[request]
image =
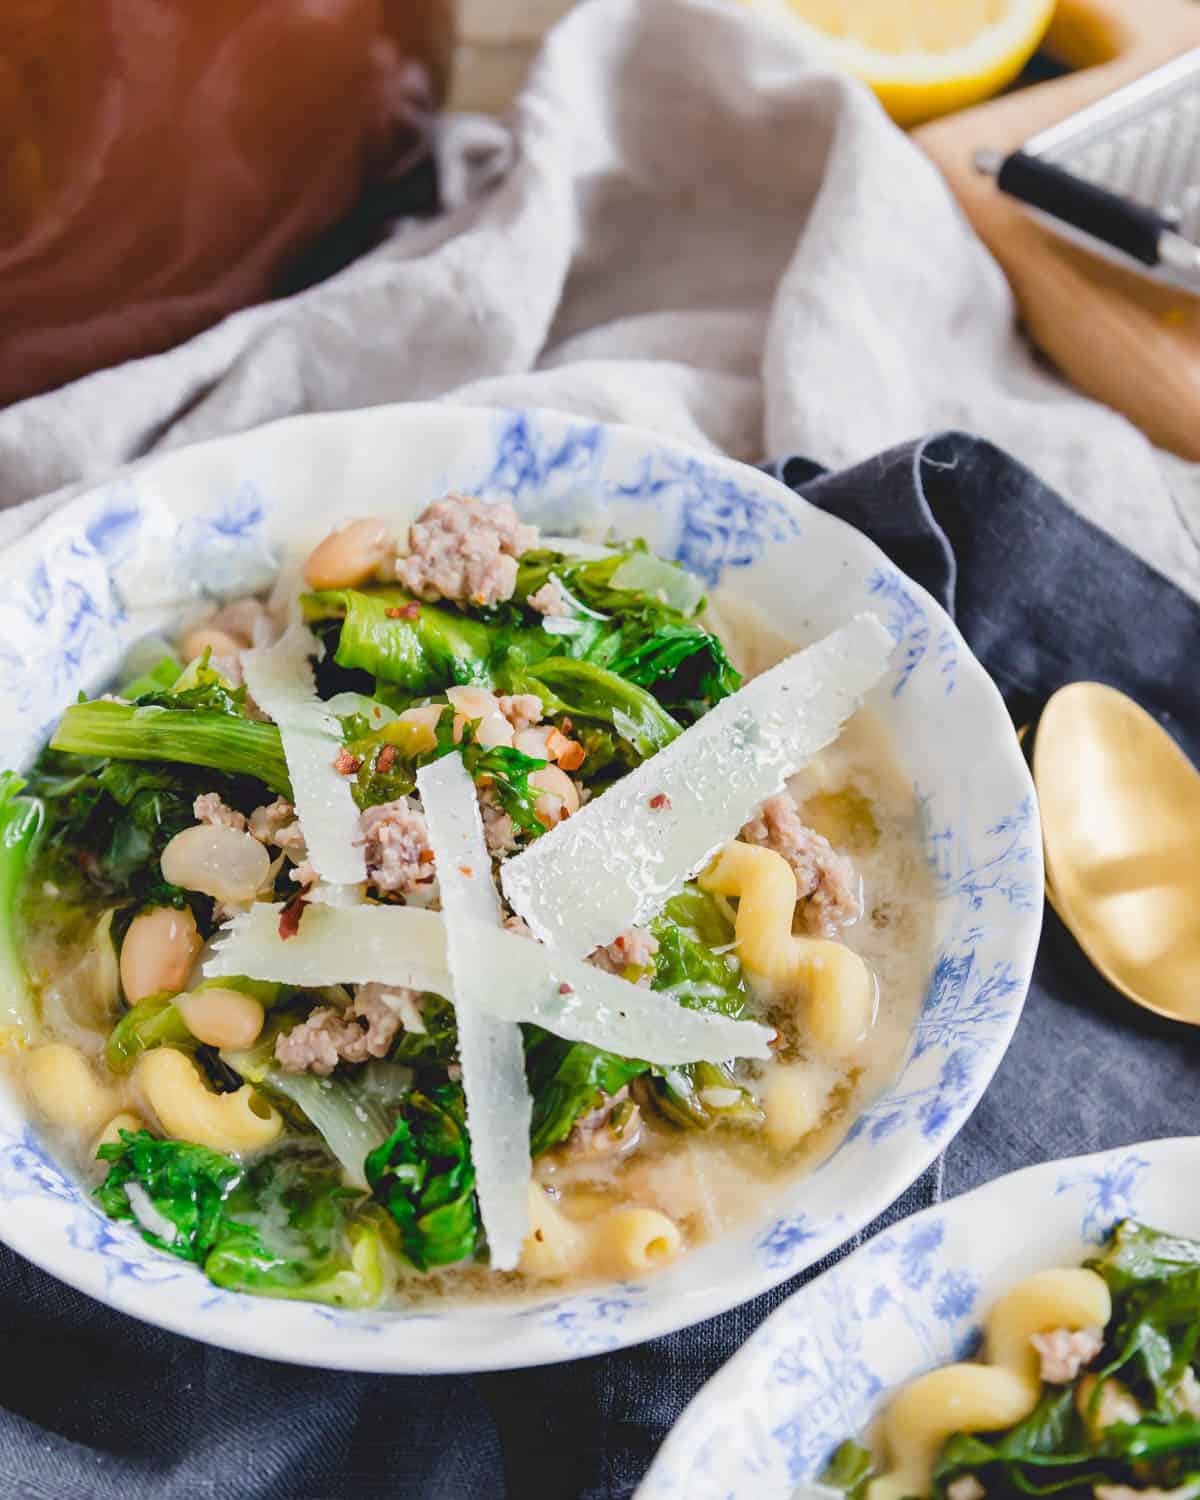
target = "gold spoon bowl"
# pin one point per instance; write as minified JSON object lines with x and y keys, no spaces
{"x":1120,"y":805}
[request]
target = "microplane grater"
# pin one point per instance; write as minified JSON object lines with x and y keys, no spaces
{"x":1141,"y":145}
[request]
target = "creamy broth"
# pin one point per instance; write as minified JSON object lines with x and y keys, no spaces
{"x":855,"y":793}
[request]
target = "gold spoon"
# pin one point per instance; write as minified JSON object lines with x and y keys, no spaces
{"x":1120,"y":807}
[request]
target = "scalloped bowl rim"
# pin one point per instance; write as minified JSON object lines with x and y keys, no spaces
{"x":697,"y":506}
{"x":1026,"y":1220}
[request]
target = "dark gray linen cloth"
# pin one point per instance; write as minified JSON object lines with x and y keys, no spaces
{"x":94,"y":1405}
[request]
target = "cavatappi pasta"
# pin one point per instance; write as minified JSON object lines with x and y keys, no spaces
{"x":1085,"y":1386}
{"x":336,"y":1108}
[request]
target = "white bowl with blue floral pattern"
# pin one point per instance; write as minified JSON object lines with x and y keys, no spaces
{"x":911,"y":1299}
{"x":132,"y":556}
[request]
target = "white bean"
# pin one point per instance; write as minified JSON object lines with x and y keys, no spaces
{"x":208,"y":638}
{"x":221,"y":1018}
{"x":473,"y":702}
{"x":158,"y":952}
{"x":221,"y":862}
{"x":532,"y":742}
{"x":561,"y":797}
{"x":420,"y":727}
{"x":350,"y":556}
{"x":493,"y":730}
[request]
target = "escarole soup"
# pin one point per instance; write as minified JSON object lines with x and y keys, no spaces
{"x":1086,"y":1388}
{"x":467,"y":920}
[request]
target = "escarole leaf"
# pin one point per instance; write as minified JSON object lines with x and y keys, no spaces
{"x":416,"y":646}
{"x":284,"y":1227}
{"x":159,"y":677}
{"x":424,"y":1177}
{"x":294,"y":1231}
{"x":152,"y":1022}
{"x":1155,"y":1282}
{"x":587,"y":691}
{"x":109,"y":820}
{"x":850,"y":1470}
{"x":634,"y":614}
{"x":21,"y":820}
{"x":186,"y":1186}
{"x":197,"y":686}
{"x":688,"y":967}
{"x":567,"y":1080}
{"x":196,"y":737}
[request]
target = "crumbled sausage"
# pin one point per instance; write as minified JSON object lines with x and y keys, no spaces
{"x":381,"y":1007}
{"x":549,"y":599}
{"x":463,"y":550}
{"x":825,"y":880}
{"x":270,"y":820}
{"x":522,"y":710}
{"x":396,"y":844}
{"x":209,"y":808}
{"x":1064,"y":1352}
{"x":499,"y":830}
{"x":632,"y":949}
{"x":326,"y":1038}
{"x":291,"y":841}
{"x":366,"y":1028}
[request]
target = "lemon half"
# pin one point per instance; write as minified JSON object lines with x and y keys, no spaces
{"x":922,"y":57}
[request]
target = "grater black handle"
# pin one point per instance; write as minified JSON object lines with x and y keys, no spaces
{"x":1117,"y":221}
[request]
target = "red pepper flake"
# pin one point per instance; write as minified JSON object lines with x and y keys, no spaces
{"x":426,"y":857}
{"x":566,"y":726}
{"x":347,"y":764}
{"x":566,"y":989}
{"x":467,"y":871}
{"x":289,"y":917}
{"x":409,"y":611}
{"x":386,"y":759}
{"x":660,"y":802}
{"x":620,"y":942}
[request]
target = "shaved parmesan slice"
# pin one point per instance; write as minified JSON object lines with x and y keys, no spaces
{"x":491,"y":1052}
{"x":617,"y":860}
{"x":575,"y":1000}
{"x":280,"y":680}
{"x":336,"y":945}
{"x":401,"y":946}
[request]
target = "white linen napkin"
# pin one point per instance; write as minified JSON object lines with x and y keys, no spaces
{"x":700,"y":233}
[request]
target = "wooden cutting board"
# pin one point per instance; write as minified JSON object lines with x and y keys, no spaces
{"x":1124,"y":340}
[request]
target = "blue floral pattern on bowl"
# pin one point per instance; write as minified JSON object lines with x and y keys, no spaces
{"x":822,"y":1365}
{"x":135,"y":557}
